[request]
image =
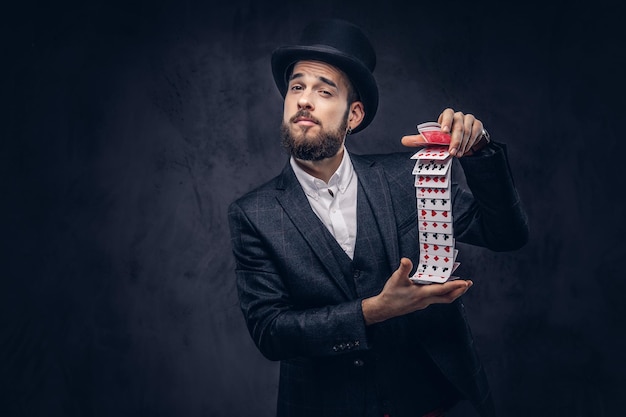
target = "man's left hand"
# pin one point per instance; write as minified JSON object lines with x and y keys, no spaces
{"x":466,"y":133}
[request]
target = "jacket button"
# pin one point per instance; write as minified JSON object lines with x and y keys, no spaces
{"x":335,"y":348}
{"x":356,"y":273}
{"x":358,"y":363}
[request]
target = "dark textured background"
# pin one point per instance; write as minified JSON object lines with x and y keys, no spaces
{"x":128,"y":128}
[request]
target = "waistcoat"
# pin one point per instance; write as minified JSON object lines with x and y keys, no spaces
{"x":397,"y":359}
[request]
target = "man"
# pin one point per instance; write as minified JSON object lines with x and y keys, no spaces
{"x":324,"y":251}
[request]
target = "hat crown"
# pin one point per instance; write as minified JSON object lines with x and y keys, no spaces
{"x":343,"y":36}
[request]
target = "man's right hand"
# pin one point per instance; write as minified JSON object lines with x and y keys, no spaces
{"x":401,"y":296}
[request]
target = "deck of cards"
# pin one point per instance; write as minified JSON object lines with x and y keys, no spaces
{"x":432,"y":173}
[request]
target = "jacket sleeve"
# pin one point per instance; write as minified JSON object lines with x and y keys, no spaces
{"x":491,"y":215}
{"x":281,"y":320}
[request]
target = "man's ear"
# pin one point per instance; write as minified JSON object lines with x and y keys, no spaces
{"x":356,"y":114}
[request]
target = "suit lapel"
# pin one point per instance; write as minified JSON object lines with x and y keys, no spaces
{"x":376,"y":189}
{"x":297,"y":207}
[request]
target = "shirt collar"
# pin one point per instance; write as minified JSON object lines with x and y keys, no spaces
{"x":339,"y":181}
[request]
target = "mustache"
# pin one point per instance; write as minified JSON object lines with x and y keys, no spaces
{"x":305,"y":114}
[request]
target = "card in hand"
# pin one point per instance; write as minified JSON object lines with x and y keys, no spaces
{"x":431,"y":132}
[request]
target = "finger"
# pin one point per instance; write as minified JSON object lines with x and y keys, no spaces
{"x":405,"y":267}
{"x":447,"y":294}
{"x":477,"y":131}
{"x":467,"y":141}
{"x":447,"y":287}
{"x":413,"y":140}
{"x":445,"y":119}
{"x":456,"y":133}
{"x":447,"y":298}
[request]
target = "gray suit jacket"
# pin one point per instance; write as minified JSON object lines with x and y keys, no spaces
{"x":300,"y":308}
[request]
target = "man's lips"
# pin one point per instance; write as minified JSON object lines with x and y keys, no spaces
{"x":305,"y":121}
{"x":304,"y":118}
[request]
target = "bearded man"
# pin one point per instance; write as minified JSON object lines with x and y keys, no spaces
{"x":324,"y":251}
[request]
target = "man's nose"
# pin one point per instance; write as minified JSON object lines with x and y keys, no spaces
{"x":306,"y":101}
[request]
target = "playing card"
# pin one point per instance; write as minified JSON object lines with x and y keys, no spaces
{"x":432,"y":181}
{"x":435,"y":249}
{"x":438,"y":153}
{"x":437,"y":270}
{"x":434,"y":227}
{"x":439,"y":260}
{"x":428,"y":279}
{"x":436,"y":238}
{"x":431,"y":132}
{"x":434,"y":215}
{"x":429,"y":192}
{"x":432,"y":166}
{"x":434,"y":203}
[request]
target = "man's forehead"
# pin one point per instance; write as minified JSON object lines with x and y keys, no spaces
{"x":318,"y":68}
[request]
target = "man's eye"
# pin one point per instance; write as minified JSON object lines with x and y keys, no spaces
{"x":326,"y":92}
{"x":296,"y":87}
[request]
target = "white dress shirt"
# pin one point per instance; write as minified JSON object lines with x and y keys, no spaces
{"x":334,"y":202}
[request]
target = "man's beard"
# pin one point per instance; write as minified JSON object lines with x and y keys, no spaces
{"x":324,"y":145}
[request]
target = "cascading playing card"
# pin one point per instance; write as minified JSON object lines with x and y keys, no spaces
{"x":432,"y":173}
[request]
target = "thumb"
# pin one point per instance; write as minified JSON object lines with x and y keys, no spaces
{"x":413,"y":140}
{"x":405,"y":267}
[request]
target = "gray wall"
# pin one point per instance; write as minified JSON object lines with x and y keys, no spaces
{"x":128,"y":128}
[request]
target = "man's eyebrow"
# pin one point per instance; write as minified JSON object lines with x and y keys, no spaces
{"x":329,"y":82}
{"x":323,"y":79}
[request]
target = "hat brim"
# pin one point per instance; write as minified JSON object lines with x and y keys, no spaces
{"x":360,"y":76}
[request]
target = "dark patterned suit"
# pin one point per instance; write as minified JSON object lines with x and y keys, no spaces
{"x":301,"y":295}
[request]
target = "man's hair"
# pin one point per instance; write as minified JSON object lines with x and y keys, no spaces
{"x":353,"y":95}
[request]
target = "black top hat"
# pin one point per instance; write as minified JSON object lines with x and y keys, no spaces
{"x":338,"y":43}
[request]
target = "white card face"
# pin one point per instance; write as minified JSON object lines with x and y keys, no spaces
{"x":429,"y":192}
{"x":434,"y":227}
{"x":429,"y":269}
{"x":436,"y":238}
{"x":428,"y":279}
{"x":437,"y":153}
{"x":435,"y":249}
{"x":435,"y":274}
{"x":434,"y":215}
{"x":434,"y":204}
{"x":444,"y":261}
{"x":432,"y":181}
{"x":431,"y":167}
